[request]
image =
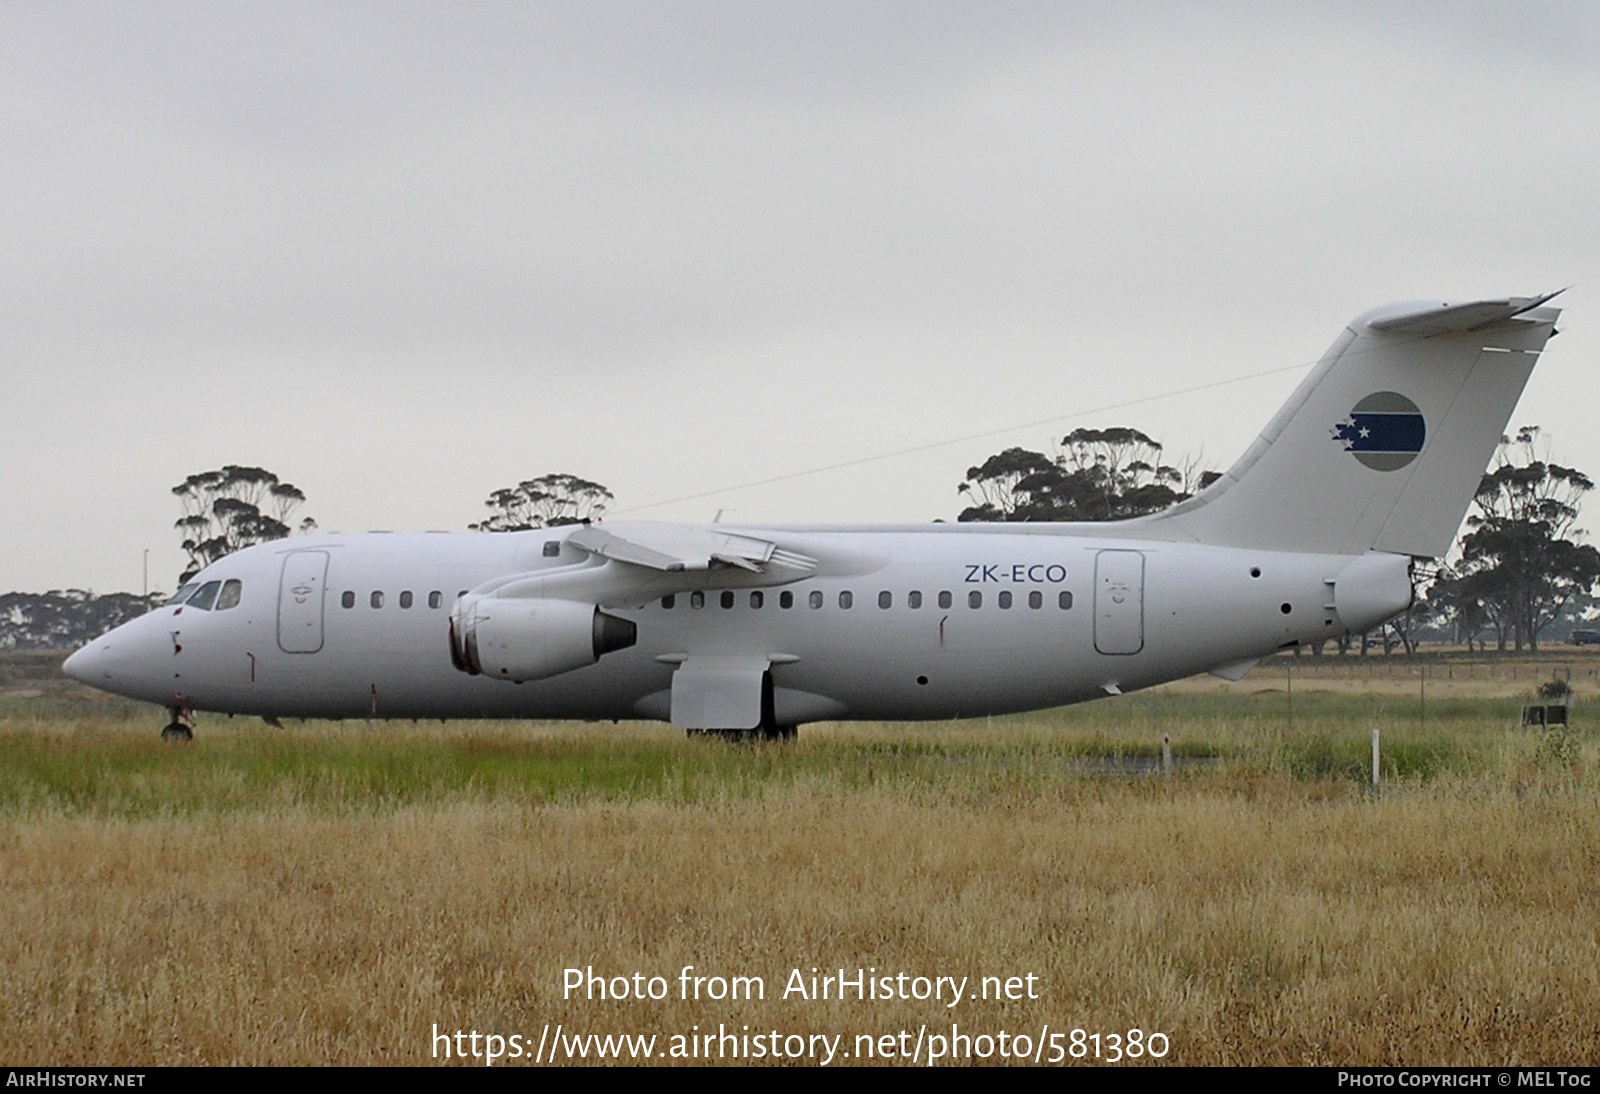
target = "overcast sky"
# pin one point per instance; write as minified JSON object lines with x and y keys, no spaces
{"x":403,"y":254}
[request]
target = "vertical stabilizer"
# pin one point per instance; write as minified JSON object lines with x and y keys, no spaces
{"x":1383,"y":446}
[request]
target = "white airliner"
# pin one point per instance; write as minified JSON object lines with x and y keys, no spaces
{"x":755,"y":630}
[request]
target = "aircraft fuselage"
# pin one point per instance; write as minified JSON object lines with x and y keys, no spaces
{"x":896,"y":625}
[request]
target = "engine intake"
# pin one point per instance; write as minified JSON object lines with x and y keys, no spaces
{"x":521,"y":639}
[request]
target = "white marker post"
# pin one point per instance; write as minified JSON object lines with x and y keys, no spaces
{"x":1374,"y":761}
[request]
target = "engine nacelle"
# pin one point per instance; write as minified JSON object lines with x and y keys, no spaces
{"x":521,"y":639}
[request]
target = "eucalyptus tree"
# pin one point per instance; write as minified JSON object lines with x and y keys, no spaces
{"x":232,"y":508}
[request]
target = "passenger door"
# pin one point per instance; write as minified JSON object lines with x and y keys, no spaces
{"x":300,"y":595}
{"x":1119,"y":602}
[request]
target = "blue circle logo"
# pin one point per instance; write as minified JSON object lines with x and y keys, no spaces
{"x":1385,"y":431}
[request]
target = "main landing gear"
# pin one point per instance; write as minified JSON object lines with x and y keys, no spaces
{"x":745,"y":736}
{"x":178,"y":730}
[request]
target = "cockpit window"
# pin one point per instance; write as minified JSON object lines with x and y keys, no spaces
{"x":181,"y":595}
{"x":205,"y":596}
{"x":229,"y":597}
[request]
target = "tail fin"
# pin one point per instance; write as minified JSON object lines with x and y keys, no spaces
{"x":1383,"y":446}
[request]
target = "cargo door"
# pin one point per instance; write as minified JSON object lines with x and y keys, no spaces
{"x":300,"y":601}
{"x":1119,"y":602}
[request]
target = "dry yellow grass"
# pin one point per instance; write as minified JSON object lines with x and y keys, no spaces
{"x":1256,"y":923}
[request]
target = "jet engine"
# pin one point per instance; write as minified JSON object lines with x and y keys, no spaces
{"x":521,"y":639}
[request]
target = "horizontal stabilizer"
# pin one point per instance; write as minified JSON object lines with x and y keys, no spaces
{"x":1451,"y":318}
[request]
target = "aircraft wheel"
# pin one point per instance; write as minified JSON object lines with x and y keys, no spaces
{"x":177,"y":732}
{"x":747,"y":736}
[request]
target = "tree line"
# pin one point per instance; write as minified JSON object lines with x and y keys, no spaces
{"x":1098,"y":474}
{"x":65,"y":618}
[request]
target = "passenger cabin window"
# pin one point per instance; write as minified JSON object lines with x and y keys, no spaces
{"x":726,"y":598}
{"x":405,"y":599}
{"x":1004,"y":599}
{"x":974,"y":599}
{"x":846,"y":598}
{"x":552,"y":548}
{"x":786,"y":599}
{"x":435,"y":599}
{"x":377,"y":599}
{"x":229,"y":597}
{"x":816,"y":598}
{"x":697,"y":599}
{"x":205,"y":596}
{"x":914,"y":599}
{"x":1036,"y":599}
{"x":348,"y":600}
{"x":945,"y":599}
{"x":669,"y":601}
{"x":886,"y":599}
{"x":757,"y":599}
{"x":1065,"y":600}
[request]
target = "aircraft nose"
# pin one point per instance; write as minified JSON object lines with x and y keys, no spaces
{"x":92,"y":664}
{"x":77,"y":665}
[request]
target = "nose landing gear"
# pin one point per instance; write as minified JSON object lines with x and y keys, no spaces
{"x":179,"y":730}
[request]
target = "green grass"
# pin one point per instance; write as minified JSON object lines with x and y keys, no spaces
{"x":110,"y":763}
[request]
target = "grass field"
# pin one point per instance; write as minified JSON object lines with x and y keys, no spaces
{"x":333,"y":893}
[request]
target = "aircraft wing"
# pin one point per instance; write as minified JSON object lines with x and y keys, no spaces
{"x":674,"y":548}
{"x":635,"y":562}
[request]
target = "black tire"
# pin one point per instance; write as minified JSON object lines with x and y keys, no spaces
{"x":747,"y":736}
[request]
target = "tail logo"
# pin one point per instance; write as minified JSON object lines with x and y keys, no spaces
{"x":1385,"y":431}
